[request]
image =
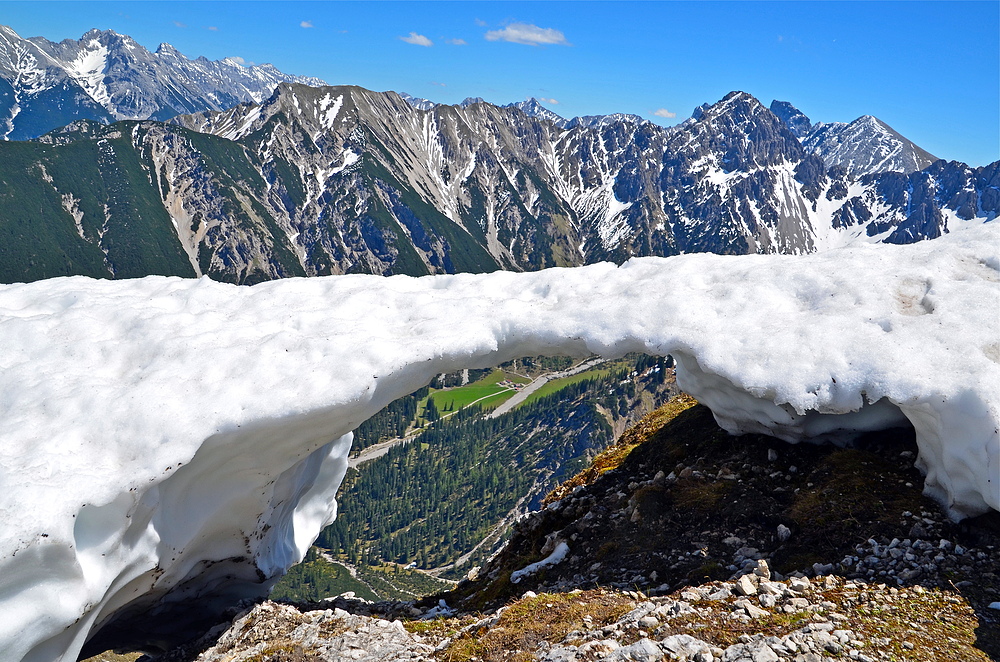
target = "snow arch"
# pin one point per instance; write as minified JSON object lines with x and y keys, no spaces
{"x":167,"y":439}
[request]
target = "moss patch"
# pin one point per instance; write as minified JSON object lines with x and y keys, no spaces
{"x":529,"y":621}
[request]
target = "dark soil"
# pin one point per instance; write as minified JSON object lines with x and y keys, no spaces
{"x":691,"y":503}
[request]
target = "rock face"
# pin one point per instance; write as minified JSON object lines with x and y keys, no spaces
{"x":794,"y":118}
{"x":106,"y":76}
{"x":318,"y":181}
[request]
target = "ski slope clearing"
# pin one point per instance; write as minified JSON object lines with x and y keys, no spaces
{"x":170,"y":445}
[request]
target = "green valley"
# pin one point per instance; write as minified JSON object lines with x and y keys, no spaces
{"x":491,"y":390}
{"x":443,"y":499}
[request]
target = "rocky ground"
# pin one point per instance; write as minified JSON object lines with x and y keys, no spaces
{"x":683,"y":543}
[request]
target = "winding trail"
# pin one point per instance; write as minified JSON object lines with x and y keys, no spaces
{"x":538,"y":383}
{"x":377,"y":450}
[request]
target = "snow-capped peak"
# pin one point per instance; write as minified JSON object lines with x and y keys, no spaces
{"x":418,"y":102}
{"x":533,"y":108}
{"x":57,"y":83}
{"x":866,"y":145}
{"x":167,"y":49}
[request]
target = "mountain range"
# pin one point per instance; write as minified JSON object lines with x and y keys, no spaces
{"x":314,"y":180}
{"x":865,"y":146}
{"x":105,"y":76}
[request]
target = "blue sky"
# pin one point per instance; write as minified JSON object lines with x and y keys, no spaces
{"x":931,"y":70}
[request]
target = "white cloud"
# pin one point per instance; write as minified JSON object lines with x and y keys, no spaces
{"x":553,"y":102}
{"x":417,"y":39}
{"x":439,"y":84}
{"x":528,"y":34}
{"x":663,"y":112}
{"x":481,"y":23}
{"x":456,"y":42}
{"x":306,"y":24}
{"x":213,"y":28}
{"x":238,"y":60}
{"x":179,"y":24}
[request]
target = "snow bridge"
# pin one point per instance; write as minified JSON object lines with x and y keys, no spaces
{"x":171,"y":445}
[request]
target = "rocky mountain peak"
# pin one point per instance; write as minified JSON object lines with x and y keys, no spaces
{"x":865,"y":146}
{"x":743,"y":132}
{"x":418,"y":102}
{"x":737,"y":104}
{"x":734,"y":110}
{"x":532,"y":108}
{"x":167,"y":49}
{"x":105,"y":38}
{"x":95,"y":33}
{"x":530,"y":105}
{"x":793,"y":118}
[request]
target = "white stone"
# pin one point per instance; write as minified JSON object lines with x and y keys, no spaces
{"x":644,"y":650}
{"x":745,"y":586}
{"x":681,"y":645}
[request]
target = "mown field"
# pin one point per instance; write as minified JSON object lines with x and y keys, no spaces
{"x":557,"y":385}
{"x":453,"y":399}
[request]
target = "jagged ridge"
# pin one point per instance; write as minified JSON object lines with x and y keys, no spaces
{"x":107,"y":76}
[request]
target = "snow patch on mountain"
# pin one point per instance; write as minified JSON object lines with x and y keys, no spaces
{"x":330,"y":108}
{"x":88,"y":69}
{"x":607,"y":211}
